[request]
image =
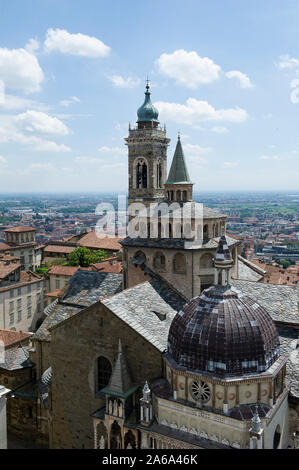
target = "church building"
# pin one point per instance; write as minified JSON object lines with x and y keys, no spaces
{"x":179,"y":351}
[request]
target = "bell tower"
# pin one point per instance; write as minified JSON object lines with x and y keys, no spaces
{"x":147,"y":155}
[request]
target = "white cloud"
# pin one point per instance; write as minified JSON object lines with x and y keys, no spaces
{"x":19,"y":69}
{"x":115,"y":150}
{"x":41,"y":167}
{"x":121,"y":82}
{"x":74,"y":44}
{"x":270,"y":157}
{"x":37,"y":121}
{"x":219,"y":129}
{"x":49,"y":146}
{"x":243,"y":79}
{"x":195,"y":111}
{"x":114,"y":165}
{"x":230,"y":164}
{"x":72,"y":99}
{"x":188,"y":68}
{"x":287,"y":62}
{"x":2,"y":159}
{"x":89,"y":160}
{"x":295,"y":93}
{"x":194,"y":150}
{"x":10,"y":132}
{"x":11,"y":102}
{"x":32,"y":46}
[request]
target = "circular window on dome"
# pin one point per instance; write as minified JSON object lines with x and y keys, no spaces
{"x":200,"y":391}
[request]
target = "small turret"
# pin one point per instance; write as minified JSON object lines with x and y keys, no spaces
{"x":223,"y":262}
{"x":256,"y":431}
{"x":146,"y":410}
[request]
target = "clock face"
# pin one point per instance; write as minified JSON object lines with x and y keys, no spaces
{"x":200,"y":391}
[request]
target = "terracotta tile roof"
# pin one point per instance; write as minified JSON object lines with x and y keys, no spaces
{"x":4,"y":247}
{"x":108,"y":266}
{"x":9,"y":337}
{"x":29,"y":276}
{"x":90,"y":240}
{"x":236,"y":237}
{"x":277,"y":275}
{"x":8,"y":257}
{"x":56,"y":293}
{"x":58,"y":249}
{"x":63,"y":270}
{"x":5,"y":270}
{"x":19,"y":229}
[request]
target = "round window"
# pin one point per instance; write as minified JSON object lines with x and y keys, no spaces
{"x":200,"y":391}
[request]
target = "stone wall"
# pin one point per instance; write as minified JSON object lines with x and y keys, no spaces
{"x":75,"y":347}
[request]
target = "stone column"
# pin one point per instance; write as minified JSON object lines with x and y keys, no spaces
{"x":225,"y":403}
{"x":95,"y":434}
{"x":271,"y":394}
{"x":186,"y":388}
{"x":237,"y":395}
{"x":213,"y":396}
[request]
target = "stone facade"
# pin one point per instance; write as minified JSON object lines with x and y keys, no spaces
{"x":89,"y":335}
{"x":148,"y":148}
{"x":188,"y":271}
{"x":22,"y":303}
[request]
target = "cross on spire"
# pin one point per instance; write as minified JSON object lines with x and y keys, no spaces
{"x":147,"y":83}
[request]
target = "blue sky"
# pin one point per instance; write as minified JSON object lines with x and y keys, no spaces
{"x":72,"y":75}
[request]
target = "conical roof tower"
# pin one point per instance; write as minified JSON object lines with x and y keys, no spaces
{"x":178,"y":186}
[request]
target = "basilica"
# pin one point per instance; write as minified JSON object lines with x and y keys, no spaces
{"x":185,"y":349}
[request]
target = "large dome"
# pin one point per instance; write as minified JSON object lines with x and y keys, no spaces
{"x":225,"y":333}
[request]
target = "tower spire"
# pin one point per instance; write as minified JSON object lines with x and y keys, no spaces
{"x":178,"y":171}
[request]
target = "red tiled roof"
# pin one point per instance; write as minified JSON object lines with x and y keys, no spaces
{"x":4,"y":247}
{"x":8,"y":257}
{"x":63,"y":270}
{"x":107,"y":266}
{"x":9,"y":337}
{"x":58,"y":249}
{"x":55,"y":293}
{"x":19,"y":229}
{"x":7,"y":269}
{"x":91,"y":240}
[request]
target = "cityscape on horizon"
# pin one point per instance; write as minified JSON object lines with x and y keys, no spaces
{"x":149,"y":228}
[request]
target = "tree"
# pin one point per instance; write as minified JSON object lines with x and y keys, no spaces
{"x":285,"y":263}
{"x":82,"y":256}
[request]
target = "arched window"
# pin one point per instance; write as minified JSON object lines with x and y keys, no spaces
{"x":178,"y":195}
{"x":276,"y":437}
{"x":159,"y":261}
{"x":141,"y":174}
{"x":159,"y":175}
{"x":144,"y":175}
{"x":139,"y":258}
{"x":179,"y":263}
{"x":104,"y":372}
{"x":177,"y":230}
{"x":206,"y":261}
{"x":206,"y":231}
{"x":184,"y":196}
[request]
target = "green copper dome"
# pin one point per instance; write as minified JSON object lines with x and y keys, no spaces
{"x":147,"y":112}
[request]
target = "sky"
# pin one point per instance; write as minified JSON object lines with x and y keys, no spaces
{"x":223,"y":73}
